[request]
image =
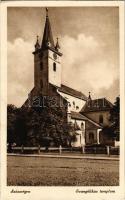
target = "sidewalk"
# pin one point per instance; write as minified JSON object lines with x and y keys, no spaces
{"x":69,"y":156}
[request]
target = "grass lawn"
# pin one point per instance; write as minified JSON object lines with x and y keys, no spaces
{"x":39,"y":171}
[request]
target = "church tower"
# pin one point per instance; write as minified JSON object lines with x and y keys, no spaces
{"x":47,"y":61}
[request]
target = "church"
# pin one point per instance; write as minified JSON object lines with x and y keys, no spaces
{"x":89,"y":116}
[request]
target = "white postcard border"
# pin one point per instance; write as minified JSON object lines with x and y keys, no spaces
{"x":60,"y":193}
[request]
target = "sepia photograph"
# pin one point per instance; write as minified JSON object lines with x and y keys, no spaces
{"x":63,"y":97}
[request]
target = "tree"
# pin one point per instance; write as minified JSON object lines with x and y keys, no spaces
{"x":21,"y":127}
{"x":11,"y":121}
{"x":115,"y":117}
{"x":71,"y":136}
{"x":43,"y":125}
{"x":16,"y":125}
{"x":48,"y":125}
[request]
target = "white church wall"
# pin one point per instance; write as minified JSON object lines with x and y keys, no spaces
{"x":81,"y":123}
{"x":54,"y":76}
{"x":75,"y":104}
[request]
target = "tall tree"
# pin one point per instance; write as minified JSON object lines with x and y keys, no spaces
{"x":11,"y":121}
{"x":115,"y":117}
{"x":41,"y":125}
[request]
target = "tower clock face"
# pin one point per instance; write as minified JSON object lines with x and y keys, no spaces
{"x":55,"y":56}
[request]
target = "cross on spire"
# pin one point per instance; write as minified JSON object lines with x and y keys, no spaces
{"x":46,"y":12}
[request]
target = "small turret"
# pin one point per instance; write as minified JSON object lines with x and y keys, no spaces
{"x":57,"y":47}
{"x":89,"y":97}
{"x":37,"y":45}
{"x":89,"y":100}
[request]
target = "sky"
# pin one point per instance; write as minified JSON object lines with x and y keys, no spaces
{"x":89,"y":40}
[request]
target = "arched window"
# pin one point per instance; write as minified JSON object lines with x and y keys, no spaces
{"x":41,"y":66}
{"x":69,"y":105}
{"x":54,"y":67}
{"x":41,"y":83}
{"x":101,"y":119}
{"x":73,"y":104}
{"x":82,"y":125}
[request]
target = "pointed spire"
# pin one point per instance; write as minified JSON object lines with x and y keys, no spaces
{"x":47,"y":35}
{"x":37,"y":45}
{"x":57,"y":47}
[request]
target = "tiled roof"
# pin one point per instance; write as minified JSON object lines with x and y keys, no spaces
{"x":72,"y":92}
{"x":97,"y":105}
{"x":78,"y":116}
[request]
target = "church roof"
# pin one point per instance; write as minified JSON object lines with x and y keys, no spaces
{"x":78,"y":116}
{"x":72,"y":92}
{"x":97,"y":105}
{"x":47,"y":35}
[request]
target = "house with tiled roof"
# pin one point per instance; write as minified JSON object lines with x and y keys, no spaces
{"x":47,"y":82}
{"x":98,"y":110}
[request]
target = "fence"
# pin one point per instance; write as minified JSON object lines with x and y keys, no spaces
{"x":86,"y":150}
{"x":103,"y":150}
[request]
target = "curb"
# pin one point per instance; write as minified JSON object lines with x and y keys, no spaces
{"x":61,"y":156}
